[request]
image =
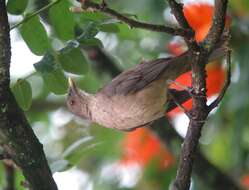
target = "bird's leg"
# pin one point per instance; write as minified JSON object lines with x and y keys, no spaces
{"x":184,"y":110}
{"x":184,"y":87}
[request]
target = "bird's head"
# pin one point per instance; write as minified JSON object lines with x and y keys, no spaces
{"x":77,"y":101}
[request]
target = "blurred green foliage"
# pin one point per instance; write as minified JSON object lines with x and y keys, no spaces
{"x":62,"y":38}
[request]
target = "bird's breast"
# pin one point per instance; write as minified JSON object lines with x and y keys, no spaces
{"x":124,"y":112}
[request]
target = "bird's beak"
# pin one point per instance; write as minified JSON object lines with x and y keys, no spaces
{"x":71,"y":85}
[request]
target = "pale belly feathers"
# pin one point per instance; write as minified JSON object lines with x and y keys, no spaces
{"x":130,"y":111}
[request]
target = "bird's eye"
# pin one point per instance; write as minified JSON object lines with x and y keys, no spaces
{"x":72,"y":102}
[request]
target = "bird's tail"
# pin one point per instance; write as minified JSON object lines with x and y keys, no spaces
{"x":182,"y":64}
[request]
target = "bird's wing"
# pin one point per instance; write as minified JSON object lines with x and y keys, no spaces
{"x":135,"y":79}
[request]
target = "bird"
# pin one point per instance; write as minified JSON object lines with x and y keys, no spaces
{"x":136,"y":97}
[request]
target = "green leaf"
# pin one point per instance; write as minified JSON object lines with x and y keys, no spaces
{"x":59,"y":166}
{"x":75,"y":156}
{"x":47,"y":64}
{"x":62,"y":20}
{"x":72,"y":60}
{"x":76,"y":145}
{"x":87,"y":38}
{"x":52,"y":74}
{"x":127,"y":33}
{"x":92,"y":16}
{"x":90,"y":82}
{"x":109,"y":27}
{"x":16,"y":7}
{"x":91,"y":42}
{"x":35,"y":36}
{"x":56,"y":81}
{"x":90,"y":31}
{"x":23,"y":93}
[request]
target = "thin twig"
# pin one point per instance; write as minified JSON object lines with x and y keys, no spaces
{"x":216,"y":102}
{"x":31,"y":15}
{"x":177,"y":10}
{"x":91,"y":6}
{"x":218,"y":24}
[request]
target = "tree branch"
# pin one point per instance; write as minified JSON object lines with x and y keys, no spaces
{"x":16,"y":135}
{"x":197,"y":120}
{"x":177,"y":10}
{"x":203,"y":168}
{"x":199,"y":111}
{"x":218,"y":24}
{"x":91,"y":6}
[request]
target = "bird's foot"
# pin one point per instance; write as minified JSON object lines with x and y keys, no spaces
{"x":179,"y":104}
{"x":184,"y":87}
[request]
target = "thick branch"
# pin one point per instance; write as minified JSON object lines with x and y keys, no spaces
{"x":199,"y":111}
{"x":199,"y":114}
{"x":87,"y":4}
{"x":16,"y":135}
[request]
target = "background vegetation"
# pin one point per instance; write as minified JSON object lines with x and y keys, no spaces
{"x":77,"y":45}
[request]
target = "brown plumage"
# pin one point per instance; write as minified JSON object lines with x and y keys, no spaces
{"x":134,"y":98}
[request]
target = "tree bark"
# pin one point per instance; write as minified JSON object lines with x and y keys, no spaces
{"x":16,"y":135}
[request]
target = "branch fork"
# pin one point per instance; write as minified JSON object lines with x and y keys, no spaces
{"x":200,"y":110}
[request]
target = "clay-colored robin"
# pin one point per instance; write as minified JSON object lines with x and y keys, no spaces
{"x":136,"y":97}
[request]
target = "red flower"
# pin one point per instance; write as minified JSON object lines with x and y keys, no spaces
{"x":245,"y":181}
{"x":142,"y":146}
{"x":199,"y":16}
